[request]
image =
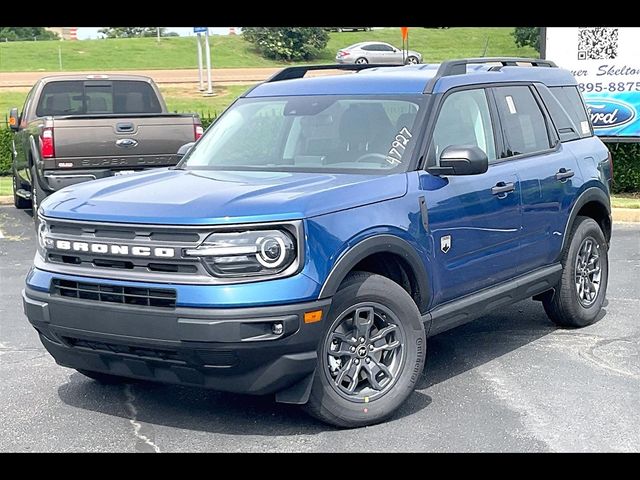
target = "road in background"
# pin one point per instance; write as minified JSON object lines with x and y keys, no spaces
{"x":508,"y":382}
{"x":220,"y":76}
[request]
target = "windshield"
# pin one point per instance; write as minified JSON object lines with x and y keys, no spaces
{"x":325,"y":133}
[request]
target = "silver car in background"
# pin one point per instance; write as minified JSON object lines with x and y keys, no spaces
{"x":376,"y":52}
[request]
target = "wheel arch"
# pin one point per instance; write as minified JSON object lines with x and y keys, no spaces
{"x":592,"y":202}
{"x":389,"y":247}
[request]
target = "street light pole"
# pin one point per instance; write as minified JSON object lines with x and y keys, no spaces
{"x":207,"y":52}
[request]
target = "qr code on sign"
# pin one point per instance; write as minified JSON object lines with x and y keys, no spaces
{"x":597,"y":43}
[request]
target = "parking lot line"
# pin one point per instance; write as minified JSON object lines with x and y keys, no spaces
{"x":1,"y":234}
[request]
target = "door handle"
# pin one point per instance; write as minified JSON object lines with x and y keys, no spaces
{"x":503,"y":188}
{"x":564,"y":174}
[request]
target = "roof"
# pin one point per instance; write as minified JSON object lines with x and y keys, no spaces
{"x":94,"y":76}
{"x":410,"y":79}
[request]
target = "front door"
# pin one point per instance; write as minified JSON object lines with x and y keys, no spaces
{"x":474,"y":221}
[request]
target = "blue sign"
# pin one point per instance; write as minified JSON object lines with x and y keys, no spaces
{"x":614,"y":114}
{"x":200,"y":29}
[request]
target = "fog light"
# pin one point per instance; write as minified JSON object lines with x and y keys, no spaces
{"x":277,"y":328}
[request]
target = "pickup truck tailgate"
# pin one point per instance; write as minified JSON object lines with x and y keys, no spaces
{"x":88,"y":141}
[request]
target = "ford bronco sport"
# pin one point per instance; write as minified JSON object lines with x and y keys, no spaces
{"x":323,"y":228}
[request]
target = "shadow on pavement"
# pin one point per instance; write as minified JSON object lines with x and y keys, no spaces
{"x":449,"y":354}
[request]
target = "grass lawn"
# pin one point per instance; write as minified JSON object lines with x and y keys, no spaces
{"x":5,"y":186}
{"x":232,"y":51}
{"x":628,"y":200}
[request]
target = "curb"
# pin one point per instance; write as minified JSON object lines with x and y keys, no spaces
{"x":620,"y":215}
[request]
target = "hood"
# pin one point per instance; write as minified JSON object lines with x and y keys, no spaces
{"x":189,"y":197}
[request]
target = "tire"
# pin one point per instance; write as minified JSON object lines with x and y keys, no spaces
{"x":412,"y":60}
{"x":367,"y":296}
{"x":37,"y":194}
{"x":19,"y":202}
{"x":567,"y":307}
{"x":104,"y":378}
{"x":361,"y":61}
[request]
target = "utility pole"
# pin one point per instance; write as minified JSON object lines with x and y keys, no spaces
{"x":158,"y":32}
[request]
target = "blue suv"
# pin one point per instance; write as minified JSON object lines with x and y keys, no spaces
{"x":324,"y":227}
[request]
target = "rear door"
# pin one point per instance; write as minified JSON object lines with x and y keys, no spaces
{"x":474,"y":220}
{"x":545,"y":170}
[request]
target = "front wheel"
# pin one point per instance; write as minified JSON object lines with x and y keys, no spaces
{"x":579,"y":295}
{"x":372,"y":354}
{"x":37,"y":194}
{"x":412,"y":60}
{"x":19,"y":202}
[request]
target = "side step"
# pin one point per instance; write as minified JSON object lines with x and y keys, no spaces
{"x":22,"y":193}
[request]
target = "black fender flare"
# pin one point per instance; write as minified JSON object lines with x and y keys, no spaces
{"x":591,"y":194}
{"x":383,"y":243}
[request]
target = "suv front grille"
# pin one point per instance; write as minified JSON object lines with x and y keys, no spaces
{"x":147,"y":297}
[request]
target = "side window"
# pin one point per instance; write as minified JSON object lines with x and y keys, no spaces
{"x":386,"y":48}
{"x":368,"y":48}
{"x":570,"y":99}
{"x":567,"y":129}
{"x":525,"y":129}
{"x":26,"y":106}
{"x":464,"y":119}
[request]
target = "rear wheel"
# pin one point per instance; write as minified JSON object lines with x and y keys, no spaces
{"x":19,"y":202}
{"x":579,"y":295}
{"x":371,"y":355}
{"x":361,"y":61}
{"x":104,"y":377}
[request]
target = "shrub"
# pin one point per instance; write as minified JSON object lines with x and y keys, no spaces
{"x":626,"y":166}
{"x":287,"y":43}
{"x":6,"y":136}
{"x":527,"y":36}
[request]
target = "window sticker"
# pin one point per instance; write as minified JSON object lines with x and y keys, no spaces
{"x":510,"y":104}
{"x":584,"y":125}
{"x":398,"y":146}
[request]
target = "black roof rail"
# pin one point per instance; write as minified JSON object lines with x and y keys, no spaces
{"x":459,"y":67}
{"x":299,"y":71}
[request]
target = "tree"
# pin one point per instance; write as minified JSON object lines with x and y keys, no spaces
{"x":287,"y":43}
{"x":132,"y":32}
{"x":527,"y":36}
{"x":26,"y":33}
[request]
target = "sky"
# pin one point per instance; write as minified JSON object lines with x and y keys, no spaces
{"x":92,"y":32}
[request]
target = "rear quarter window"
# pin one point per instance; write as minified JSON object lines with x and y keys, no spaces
{"x":567,"y":128}
{"x":571,"y":101}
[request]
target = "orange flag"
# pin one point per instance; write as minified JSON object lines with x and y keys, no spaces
{"x":405,"y":32}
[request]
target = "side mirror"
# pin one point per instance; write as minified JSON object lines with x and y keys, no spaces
{"x":14,"y":121}
{"x":184,"y":149}
{"x":461,"y":160}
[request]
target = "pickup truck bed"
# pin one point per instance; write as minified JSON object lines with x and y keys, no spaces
{"x":75,"y":128}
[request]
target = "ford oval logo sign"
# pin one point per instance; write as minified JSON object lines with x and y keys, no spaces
{"x":126,"y":142}
{"x":607,"y":113}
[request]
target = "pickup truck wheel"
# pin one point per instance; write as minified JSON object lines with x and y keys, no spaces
{"x":37,"y":194}
{"x":19,"y":202}
{"x":579,"y":295}
{"x":372,"y":353}
{"x":104,"y":377}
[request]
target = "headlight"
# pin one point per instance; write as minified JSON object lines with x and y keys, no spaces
{"x":44,"y":242}
{"x":247,"y":253}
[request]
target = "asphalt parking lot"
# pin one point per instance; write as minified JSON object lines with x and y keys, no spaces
{"x":507,"y":382}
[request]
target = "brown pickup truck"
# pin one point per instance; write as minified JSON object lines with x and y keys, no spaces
{"x":75,"y":128}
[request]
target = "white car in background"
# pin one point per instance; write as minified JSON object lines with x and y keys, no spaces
{"x":376,"y":52}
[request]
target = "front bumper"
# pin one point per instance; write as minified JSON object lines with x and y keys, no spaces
{"x":228,"y":349}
